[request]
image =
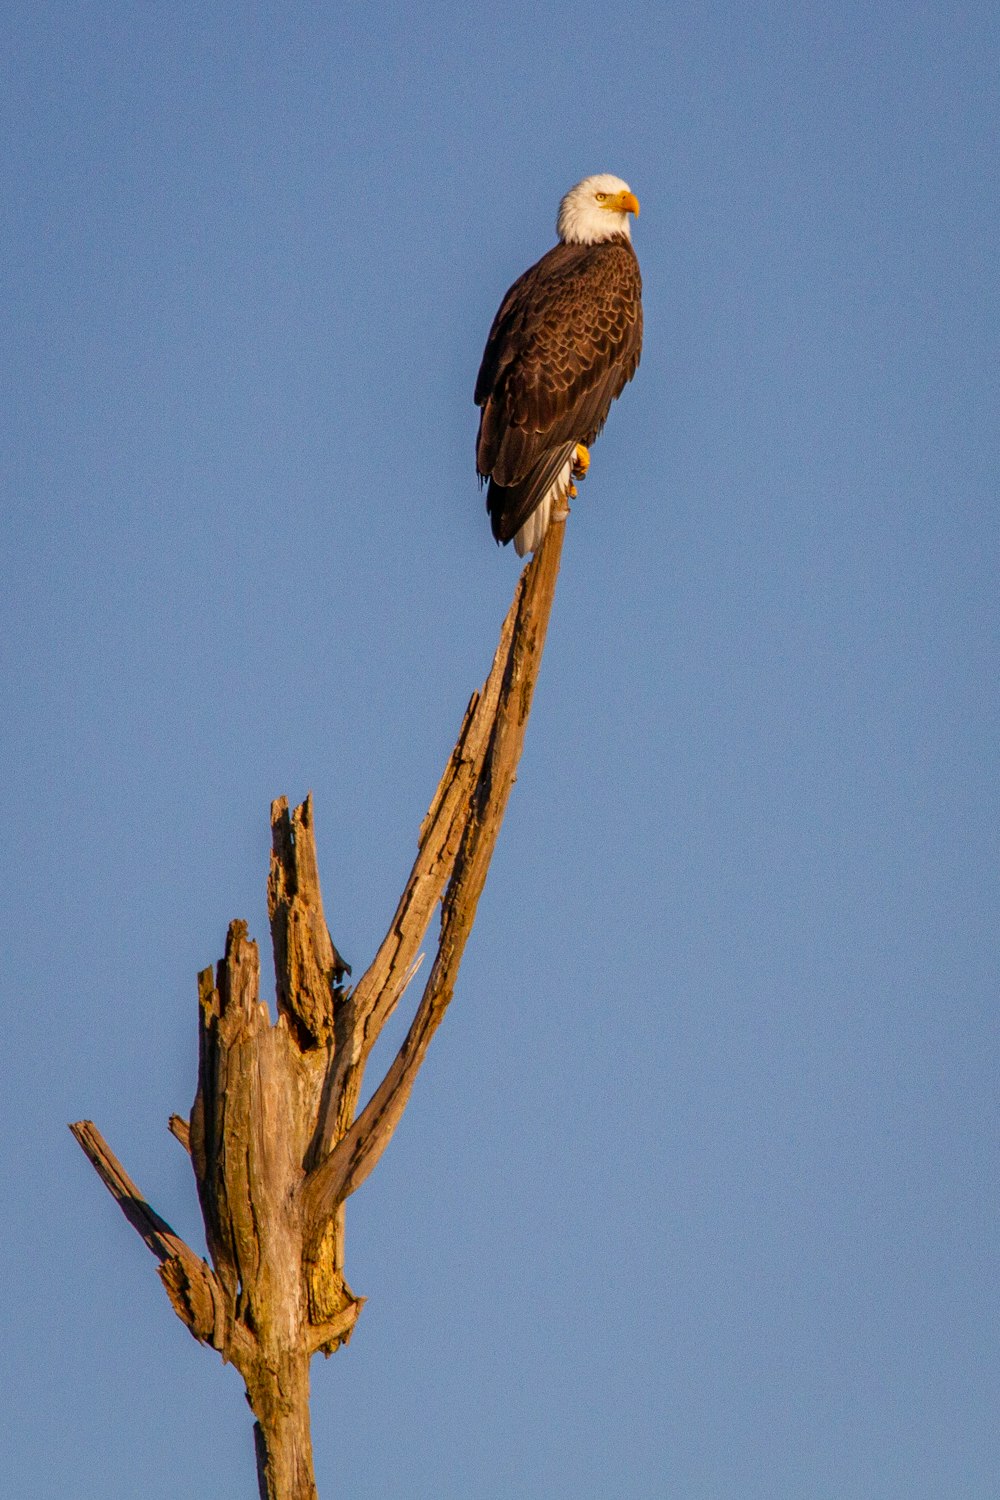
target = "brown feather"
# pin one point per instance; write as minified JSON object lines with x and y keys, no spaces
{"x":563,"y":345}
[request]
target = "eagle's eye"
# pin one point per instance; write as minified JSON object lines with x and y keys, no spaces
{"x":601,"y":197}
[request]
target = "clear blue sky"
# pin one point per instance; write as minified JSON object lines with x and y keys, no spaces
{"x":696,"y":1195}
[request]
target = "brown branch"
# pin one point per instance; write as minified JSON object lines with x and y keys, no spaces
{"x":156,"y":1232}
{"x":345,"y":1167}
{"x":377,"y":993}
{"x":193,"y":1288}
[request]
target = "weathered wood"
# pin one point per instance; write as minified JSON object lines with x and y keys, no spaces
{"x":180,"y":1129}
{"x":275,"y":1137}
{"x":308,"y":970}
{"x":279,"y":1398}
{"x":195,"y":1292}
{"x":508,"y":692}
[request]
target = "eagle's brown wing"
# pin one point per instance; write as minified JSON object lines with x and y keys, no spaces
{"x":566,"y":340}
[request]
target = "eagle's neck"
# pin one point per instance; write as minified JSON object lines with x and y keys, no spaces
{"x":590,"y":225}
{"x":621,"y":241}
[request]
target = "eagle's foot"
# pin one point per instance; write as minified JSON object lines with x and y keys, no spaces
{"x":581,"y":462}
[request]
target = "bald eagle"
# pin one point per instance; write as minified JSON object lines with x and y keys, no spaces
{"x":563,"y":345}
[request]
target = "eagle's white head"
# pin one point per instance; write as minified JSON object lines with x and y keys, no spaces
{"x":594,"y":210}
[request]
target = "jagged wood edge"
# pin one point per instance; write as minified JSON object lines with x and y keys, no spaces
{"x":195,"y":1292}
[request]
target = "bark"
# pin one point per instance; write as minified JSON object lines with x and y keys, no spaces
{"x":276,"y":1141}
{"x":282,"y":1439}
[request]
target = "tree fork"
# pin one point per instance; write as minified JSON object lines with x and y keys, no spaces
{"x":275,"y":1137}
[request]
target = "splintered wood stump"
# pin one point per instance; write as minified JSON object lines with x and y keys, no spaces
{"x":275,"y":1136}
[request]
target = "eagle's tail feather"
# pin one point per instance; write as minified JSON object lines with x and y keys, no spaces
{"x":522,"y":511}
{"x":530,"y":536}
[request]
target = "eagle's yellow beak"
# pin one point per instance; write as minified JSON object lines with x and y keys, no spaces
{"x":624,"y":203}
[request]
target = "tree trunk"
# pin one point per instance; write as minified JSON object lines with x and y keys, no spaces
{"x":279,"y":1397}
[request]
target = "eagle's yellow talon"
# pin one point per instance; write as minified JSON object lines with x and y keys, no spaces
{"x":571,"y":492}
{"x":581,"y":461}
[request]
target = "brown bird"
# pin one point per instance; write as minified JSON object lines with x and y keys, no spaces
{"x":564,"y":344}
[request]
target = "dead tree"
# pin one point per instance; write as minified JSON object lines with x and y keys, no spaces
{"x":275,"y":1136}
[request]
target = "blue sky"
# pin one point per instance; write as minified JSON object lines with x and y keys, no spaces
{"x":695,"y":1194}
